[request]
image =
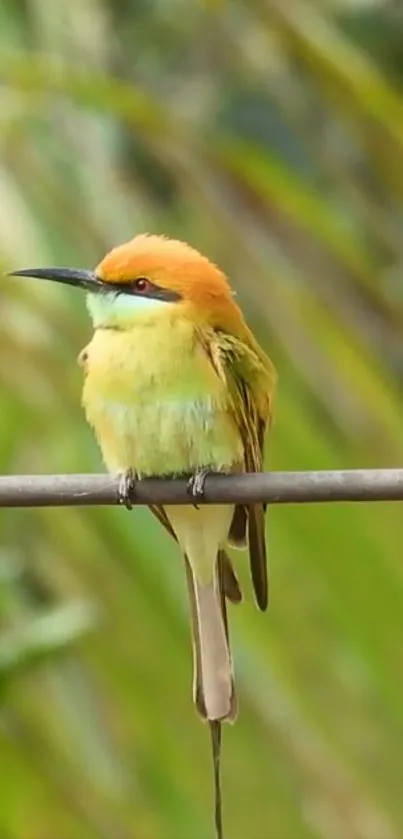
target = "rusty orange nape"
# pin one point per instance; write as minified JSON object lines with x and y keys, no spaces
{"x":174,"y":263}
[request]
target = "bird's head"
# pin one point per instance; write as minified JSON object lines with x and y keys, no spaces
{"x":148,"y":277}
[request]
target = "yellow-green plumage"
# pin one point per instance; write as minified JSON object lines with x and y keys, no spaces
{"x":175,"y":382}
{"x":158,"y":407}
{"x":156,"y":404}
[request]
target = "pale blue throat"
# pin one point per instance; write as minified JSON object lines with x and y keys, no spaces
{"x":113,"y":308}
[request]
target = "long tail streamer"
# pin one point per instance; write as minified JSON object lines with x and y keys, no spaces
{"x":215,"y":729}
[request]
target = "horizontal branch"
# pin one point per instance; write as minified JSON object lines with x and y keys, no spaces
{"x":271,"y":487}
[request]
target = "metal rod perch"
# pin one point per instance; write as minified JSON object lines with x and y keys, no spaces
{"x":272,"y":487}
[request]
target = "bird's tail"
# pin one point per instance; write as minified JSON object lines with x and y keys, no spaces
{"x":214,"y":691}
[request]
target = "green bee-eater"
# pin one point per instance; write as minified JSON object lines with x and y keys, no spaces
{"x":176,"y":383}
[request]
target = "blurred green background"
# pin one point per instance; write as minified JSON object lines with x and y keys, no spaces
{"x":269,"y":134}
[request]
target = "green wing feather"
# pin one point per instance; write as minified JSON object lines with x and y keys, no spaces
{"x":250,"y":378}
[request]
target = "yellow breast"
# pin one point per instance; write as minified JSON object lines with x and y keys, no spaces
{"x":156,"y":403}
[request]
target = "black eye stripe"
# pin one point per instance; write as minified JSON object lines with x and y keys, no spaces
{"x":143,"y":287}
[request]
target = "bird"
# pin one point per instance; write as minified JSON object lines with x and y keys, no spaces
{"x":175,"y":383}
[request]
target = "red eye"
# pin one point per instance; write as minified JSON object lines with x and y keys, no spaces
{"x":142,"y":284}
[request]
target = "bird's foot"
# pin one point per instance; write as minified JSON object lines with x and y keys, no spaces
{"x":127,"y":484}
{"x":196,"y":488}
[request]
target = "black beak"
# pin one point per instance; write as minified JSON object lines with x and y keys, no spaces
{"x":70,"y":276}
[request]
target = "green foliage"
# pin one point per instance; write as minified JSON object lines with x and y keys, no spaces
{"x":266,"y":135}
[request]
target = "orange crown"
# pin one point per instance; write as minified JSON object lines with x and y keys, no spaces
{"x":175,"y":265}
